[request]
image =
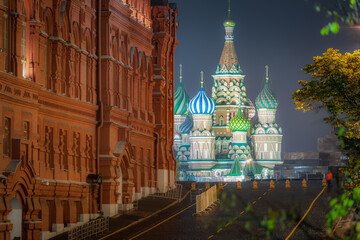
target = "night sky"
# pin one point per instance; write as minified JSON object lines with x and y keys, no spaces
{"x":280,"y":33}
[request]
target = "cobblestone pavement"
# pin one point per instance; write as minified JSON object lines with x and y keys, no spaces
{"x":216,"y":225}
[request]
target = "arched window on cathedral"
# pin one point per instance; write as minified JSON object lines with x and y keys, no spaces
{"x":221,"y":120}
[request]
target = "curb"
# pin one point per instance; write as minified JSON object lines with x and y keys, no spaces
{"x":147,"y":217}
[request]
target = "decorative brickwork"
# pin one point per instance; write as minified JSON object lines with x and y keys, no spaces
{"x":86,"y":110}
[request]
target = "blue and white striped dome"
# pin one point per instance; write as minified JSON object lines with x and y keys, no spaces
{"x":202,"y":104}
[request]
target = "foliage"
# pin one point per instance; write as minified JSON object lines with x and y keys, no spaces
{"x":335,"y":87}
{"x":340,"y":208}
{"x":346,"y":11}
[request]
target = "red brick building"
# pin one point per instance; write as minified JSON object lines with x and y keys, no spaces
{"x":86,"y":110}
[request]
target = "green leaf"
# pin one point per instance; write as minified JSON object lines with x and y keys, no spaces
{"x":334,"y":27}
{"x":356,"y":194}
{"x":352,"y":4}
{"x":325,"y":31}
{"x":341,"y":131}
{"x":333,"y":202}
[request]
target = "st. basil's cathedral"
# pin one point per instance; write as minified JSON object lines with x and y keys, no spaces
{"x":214,"y":135}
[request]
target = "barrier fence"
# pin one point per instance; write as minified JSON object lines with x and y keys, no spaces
{"x":90,"y":229}
{"x":174,"y":193}
{"x":205,"y":199}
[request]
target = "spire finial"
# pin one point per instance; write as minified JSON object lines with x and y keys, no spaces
{"x":267,"y":73}
{"x":229,"y":10}
{"x":202,"y":78}
{"x":180,"y":73}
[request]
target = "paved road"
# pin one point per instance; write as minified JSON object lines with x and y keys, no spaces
{"x":218,"y":225}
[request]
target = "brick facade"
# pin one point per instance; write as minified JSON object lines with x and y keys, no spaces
{"x":86,"y":109}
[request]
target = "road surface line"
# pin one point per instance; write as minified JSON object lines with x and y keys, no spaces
{"x":228,"y":222}
{"x":162,"y":222}
{"x":305,"y":213}
{"x":264,"y":193}
{"x":259,"y":198}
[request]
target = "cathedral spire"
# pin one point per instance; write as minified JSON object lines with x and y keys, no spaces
{"x":267,"y":74}
{"x":202,"y":79}
{"x":180,"y":77}
{"x":229,"y":11}
{"x":229,"y":62}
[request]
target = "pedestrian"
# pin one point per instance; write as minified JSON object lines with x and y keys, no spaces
{"x":328,"y":178}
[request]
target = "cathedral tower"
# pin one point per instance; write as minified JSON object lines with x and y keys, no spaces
{"x":181,"y":104}
{"x":266,"y":134}
{"x":228,"y":91}
{"x":202,"y":137}
{"x":239,"y":125}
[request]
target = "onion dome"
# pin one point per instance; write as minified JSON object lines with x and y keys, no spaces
{"x":186,"y":126}
{"x":181,"y":101}
{"x":239,"y":122}
{"x":250,"y":108}
{"x":229,"y":23}
{"x":266,"y":99}
{"x":201,"y":103}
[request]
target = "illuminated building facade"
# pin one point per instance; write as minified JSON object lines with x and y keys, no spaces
{"x":86,"y":110}
{"x":224,"y":133}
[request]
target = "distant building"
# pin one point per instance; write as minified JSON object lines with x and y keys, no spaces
{"x":86,"y":110}
{"x":211,"y":132}
{"x":312,"y":163}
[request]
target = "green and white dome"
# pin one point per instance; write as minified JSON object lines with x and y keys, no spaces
{"x":239,"y":122}
{"x":266,"y":99}
{"x":181,"y":101}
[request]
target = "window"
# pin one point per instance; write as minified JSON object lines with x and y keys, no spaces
{"x":271,"y":155}
{"x":23,"y":49}
{"x":256,"y":147}
{"x":26,"y":130}
{"x":7,"y":136}
{"x":265,"y":147}
{"x":276,"y":147}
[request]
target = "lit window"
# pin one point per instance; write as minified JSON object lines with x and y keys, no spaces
{"x":23,"y":49}
{"x":26,"y":129}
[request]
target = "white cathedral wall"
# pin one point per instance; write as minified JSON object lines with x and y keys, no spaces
{"x":267,"y":146}
{"x":202,"y":148}
{"x":202,"y":121}
{"x":239,"y":137}
{"x":178,"y":120}
{"x":266,"y":115}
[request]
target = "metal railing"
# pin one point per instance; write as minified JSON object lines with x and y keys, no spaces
{"x":88,"y":230}
{"x":174,"y":193}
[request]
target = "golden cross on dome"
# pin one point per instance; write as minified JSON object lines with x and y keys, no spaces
{"x":202,"y":78}
{"x":180,"y":72}
{"x":267,"y":72}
